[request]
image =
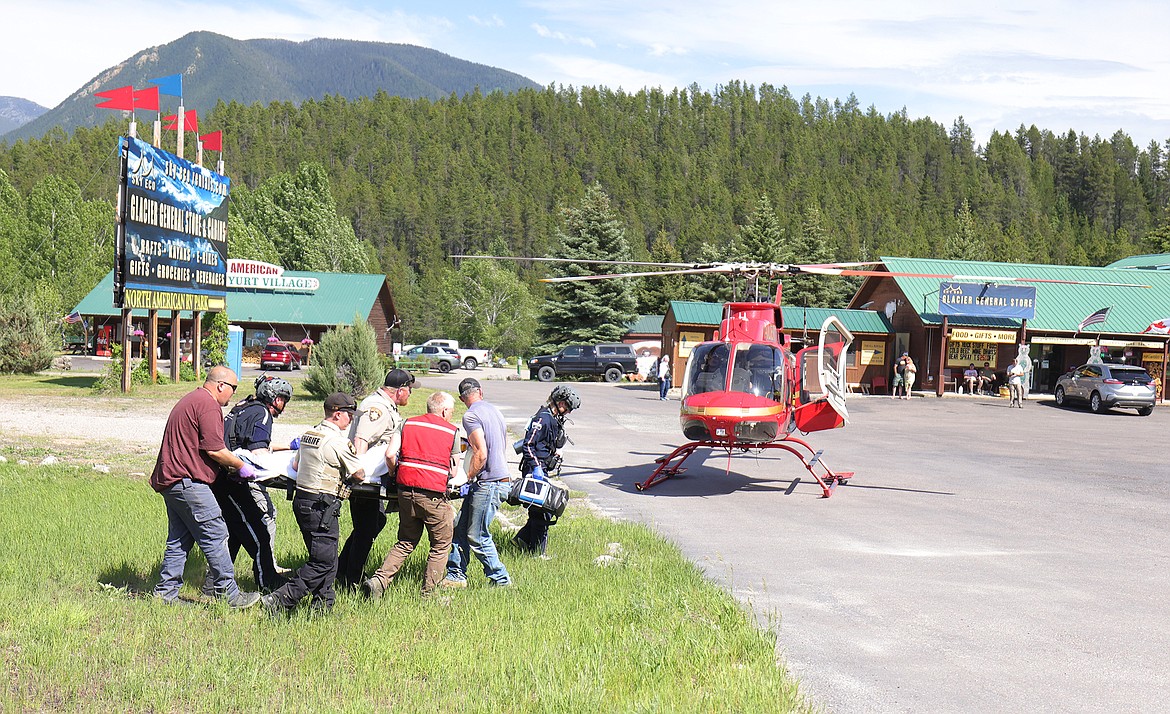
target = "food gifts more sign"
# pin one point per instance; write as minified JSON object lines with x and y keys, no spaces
{"x":255,"y":275}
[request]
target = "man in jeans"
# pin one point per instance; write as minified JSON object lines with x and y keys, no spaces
{"x":189,"y":458}
{"x":488,"y":477}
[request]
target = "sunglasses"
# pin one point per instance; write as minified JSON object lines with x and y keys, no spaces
{"x":229,"y":384}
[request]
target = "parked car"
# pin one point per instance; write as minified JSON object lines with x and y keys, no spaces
{"x":608,"y":360}
{"x":468,"y":357}
{"x":1104,"y":386}
{"x":443,"y":359}
{"x":277,"y":355}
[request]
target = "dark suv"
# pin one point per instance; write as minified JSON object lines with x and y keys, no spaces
{"x":608,"y":360}
{"x":1104,"y":386}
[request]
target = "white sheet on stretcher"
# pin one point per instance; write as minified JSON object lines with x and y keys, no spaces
{"x":279,"y":463}
{"x":275,"y":464}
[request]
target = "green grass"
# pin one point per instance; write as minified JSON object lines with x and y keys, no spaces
{"x":646,"y":635}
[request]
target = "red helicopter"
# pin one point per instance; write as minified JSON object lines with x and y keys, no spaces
{"x":746,"y":390}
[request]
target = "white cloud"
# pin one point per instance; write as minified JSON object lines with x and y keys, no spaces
{"x":585,"y":71}
{"x":567,"y":39}
{"x":493,"y":21}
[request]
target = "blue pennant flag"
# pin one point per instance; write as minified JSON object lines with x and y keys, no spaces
{"x":171,"y":86}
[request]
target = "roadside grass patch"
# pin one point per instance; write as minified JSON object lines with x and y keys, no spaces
{"x":79,"y":553}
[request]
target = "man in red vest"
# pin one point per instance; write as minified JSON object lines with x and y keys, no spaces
{"x":424,"y":452}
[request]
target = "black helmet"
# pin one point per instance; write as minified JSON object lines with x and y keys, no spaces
{"x":564,"y":393}
{"x":269,"y":388}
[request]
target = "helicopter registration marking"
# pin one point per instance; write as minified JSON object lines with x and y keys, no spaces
{"x":734,"y":411}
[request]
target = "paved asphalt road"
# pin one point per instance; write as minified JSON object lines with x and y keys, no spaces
{"x":983,"y":559}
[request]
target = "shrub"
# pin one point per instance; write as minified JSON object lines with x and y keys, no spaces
{"x":345,"y":360}
{"x":215,"y":339}
{"x":29,"y":336}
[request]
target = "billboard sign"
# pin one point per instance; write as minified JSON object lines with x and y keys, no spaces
{"x":987,"y":300}
{"x":257,"y":275}
{"x":172,"y":247}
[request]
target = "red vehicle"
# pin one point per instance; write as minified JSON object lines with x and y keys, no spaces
{"x":277,"y":355}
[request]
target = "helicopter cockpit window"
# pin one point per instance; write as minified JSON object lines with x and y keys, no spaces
{"x":755,"y":369}
{"x":707,"y":368}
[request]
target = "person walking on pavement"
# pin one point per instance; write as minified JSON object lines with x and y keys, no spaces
{"x":188,"y":463}
{"x":326,"y":466}
{"x":488,"y":486}
{"x":663,"y":376}
{"x":1016,"y":385}
{"x":424,"y":454}
{"x":378,"y":420}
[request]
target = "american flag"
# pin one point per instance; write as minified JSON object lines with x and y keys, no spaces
{"x":1161,"y":327}
{"x":1095,"y":319}
{"x":73,"y":318}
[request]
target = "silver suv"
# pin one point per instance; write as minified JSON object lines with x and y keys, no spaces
{"x":1105,"y":386}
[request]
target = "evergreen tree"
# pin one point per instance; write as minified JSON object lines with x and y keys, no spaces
{"x":762,"y":239}
{"x":813,"y":247}
{"x":656,"y":293}
{"x":345,"y":360}
{"x":964,"y":243}
{"x":591,"y":310}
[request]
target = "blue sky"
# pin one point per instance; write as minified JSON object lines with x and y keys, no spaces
{"x":1094,"y":67}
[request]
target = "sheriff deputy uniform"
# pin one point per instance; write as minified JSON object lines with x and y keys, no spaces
{"x":325,"y":464}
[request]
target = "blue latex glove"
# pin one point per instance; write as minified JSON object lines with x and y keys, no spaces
{"x":538,"y":473}
{"x":295,"y":443}
{"x":247,"y":472}
{"x":464,"y":490}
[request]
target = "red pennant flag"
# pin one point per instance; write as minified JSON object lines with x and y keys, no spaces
{"x":190,"y":122}
{"x":120,"y":98}
{"x":213,"y":141}
{"x":146,"y":99}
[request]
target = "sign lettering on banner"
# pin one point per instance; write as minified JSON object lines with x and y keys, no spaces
{"x":976,"y":335}
{"x":255,"y":275}
{"x":172,"y":252}
{"x":987,"y":300}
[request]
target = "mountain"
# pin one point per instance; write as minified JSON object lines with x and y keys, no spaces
{"x":216,"y":67}
{"x":16,"y":112}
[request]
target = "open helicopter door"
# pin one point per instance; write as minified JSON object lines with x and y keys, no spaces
{"x":821,"y":379}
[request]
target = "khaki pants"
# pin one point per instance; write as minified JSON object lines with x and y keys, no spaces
{"x":419,"y":510}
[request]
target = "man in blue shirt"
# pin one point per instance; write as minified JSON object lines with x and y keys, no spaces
{"x":487,"y":474}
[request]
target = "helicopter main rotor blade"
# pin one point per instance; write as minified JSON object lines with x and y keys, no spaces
{"x":650,"y":274}
{"x":816,"y":270}
{"x":578,"y":260}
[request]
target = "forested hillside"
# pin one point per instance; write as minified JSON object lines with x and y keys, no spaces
{"x":685,"y":171}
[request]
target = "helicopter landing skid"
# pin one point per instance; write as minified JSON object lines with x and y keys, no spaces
{"x":671,"y":464}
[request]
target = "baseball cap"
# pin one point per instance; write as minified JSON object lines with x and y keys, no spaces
{"x":470,"y":384}
{"x":340,"y":402}
{"x":397,"y":378}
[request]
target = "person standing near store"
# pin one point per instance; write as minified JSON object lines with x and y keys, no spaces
{"x":544,"y":436}
{"x":424,"y":455}
{"x":378,"y":421}
{"x":188,"y":462}
{"x":1016,"y":385}
{"x":663,"y":376}
{"x":487,"y":476}
{"x":909,"y":373}
{"x":326,"y":466}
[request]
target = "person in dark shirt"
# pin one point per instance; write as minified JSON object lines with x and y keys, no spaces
{"x":539,"y":458}
{"x":247,"y":508}
{"x":188,"y":463}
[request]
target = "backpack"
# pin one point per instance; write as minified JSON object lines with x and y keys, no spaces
{"x":654,"y":370}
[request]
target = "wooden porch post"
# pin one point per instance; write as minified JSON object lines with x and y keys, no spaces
{"x":942,"y":359}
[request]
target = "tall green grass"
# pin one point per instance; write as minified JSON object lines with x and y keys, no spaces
{"x":647,"y":634}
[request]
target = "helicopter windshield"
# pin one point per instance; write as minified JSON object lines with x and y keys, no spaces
{"x":707,"y":368}
{"x":755,"y":368}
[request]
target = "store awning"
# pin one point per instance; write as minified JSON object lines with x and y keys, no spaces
{"x":1089,"y":342}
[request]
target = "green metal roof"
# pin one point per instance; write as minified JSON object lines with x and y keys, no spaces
{"x":1157,"y":261}
{"x":1059,"y":308}
{"x":646,"y":325}
{"x":339,"y":297}
{"x":795,"y":317}
{"x":687,"y":312}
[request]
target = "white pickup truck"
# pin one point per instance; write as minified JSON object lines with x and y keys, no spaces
{"x":469,"y":357}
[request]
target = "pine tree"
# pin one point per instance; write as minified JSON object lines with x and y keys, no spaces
{"x":813,"y":247}
{"x":592,"y":310}
{"x":762,"y":239}
{"x":656,"y":293}
{"x":964,"y":243}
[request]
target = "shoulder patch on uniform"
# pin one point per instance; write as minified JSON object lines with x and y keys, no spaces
{"x":375,"y":413}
